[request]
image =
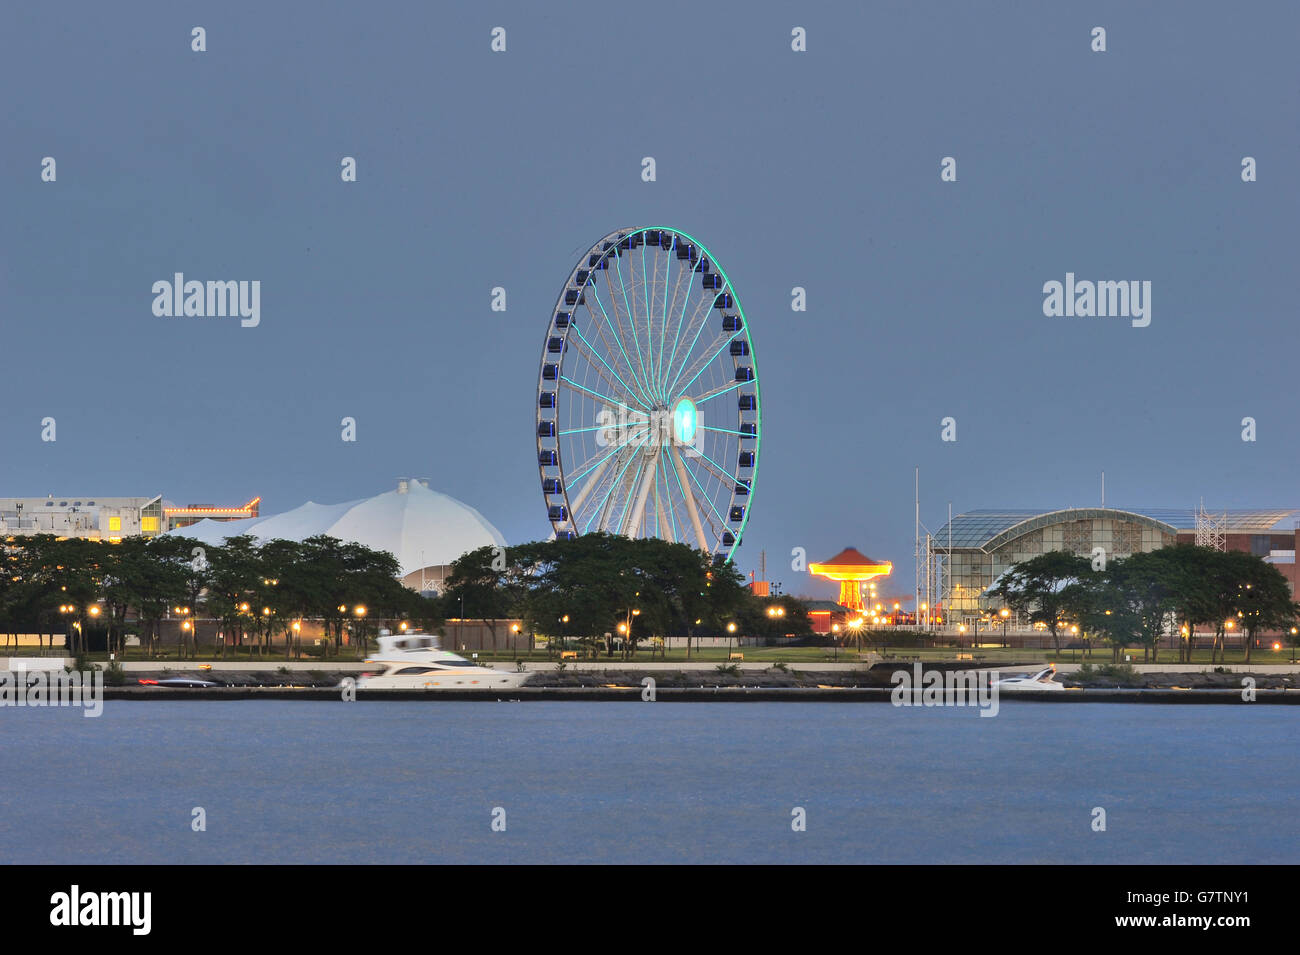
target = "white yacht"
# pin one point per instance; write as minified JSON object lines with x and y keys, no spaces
{"x":1042,"y":680}
{"x":415,"y":661}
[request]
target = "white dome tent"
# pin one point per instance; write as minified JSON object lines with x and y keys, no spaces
{"x":424,"y":529}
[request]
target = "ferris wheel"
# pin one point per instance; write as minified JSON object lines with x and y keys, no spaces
{"x":648,"y":414}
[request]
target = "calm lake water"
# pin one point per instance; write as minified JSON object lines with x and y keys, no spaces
{"x":367,"y":782}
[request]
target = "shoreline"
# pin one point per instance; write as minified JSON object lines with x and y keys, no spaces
{"x":695,"y":694}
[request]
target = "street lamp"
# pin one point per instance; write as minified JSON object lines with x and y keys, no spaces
{"x":359,"y":612}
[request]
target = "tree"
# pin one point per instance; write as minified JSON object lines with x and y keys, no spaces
{"x":1034,"y":588}
{"x":1102,"y":610}
{"x":1264,"y":599}
{"x":1193,"y":604}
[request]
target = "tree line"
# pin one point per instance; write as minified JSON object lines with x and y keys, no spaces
{"x":576,"y":590}
{"x":606,"y":584}
{"x":1133,"y":601}
{"x":257,"y":590}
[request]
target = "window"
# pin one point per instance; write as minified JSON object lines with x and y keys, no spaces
{"x":115,"y":523}
{"x":146,"y":523}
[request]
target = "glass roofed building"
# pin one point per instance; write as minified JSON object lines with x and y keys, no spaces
{"x":985,"y":543}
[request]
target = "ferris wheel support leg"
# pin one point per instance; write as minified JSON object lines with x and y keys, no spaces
{"x":587,"y":488}
{"x":664,"y":526}
{"x":690,"y":499}
{"x":642,"y":493}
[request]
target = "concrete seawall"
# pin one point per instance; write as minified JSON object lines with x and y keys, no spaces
{"x":721,"y":694}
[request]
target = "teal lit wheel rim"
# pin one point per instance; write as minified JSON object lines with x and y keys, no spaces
{"x":648,"y":412}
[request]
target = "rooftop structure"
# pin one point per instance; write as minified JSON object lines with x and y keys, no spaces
{"x":424,"y":529}
{"x":90,"y":516}
{"x":850,"y":567}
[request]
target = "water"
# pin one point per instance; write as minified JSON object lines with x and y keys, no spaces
{"x":366,"y":782}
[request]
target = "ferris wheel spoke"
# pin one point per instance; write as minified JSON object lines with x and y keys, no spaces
{"x":597,"y":479}
{"x":727,"y":339}
{"x":645,"y":393}
{"x":720,"y":391}
{"x":713,"y":466}
{"x":615,"y":326}
{"x":683,"y":273}
{"x":587,"y":488}
{"x":592,"y":462}
{"x":591,"y":350}
{"x":703,"y":322}
{"x":648,"y":287}
{"x":597,"y":459}
{"x":681,"y":321}
{"x":631,"y":312}
{"x":708,"y":499}
{"x":663,"y":337}
{"x":565,"y":380}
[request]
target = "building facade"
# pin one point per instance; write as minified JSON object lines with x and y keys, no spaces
{"x":985,"y":543}
{"x":105,"y":518}
{"x":94,"y":518}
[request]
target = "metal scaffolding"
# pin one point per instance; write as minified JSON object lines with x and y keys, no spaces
{"x":1211,"y":529}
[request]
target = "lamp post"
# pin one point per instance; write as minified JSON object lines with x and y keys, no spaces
{"x":360,"y":613}
{"x":564,"y":635}
{"x":65,"y":609}
{"x":776,"y":612}
{"x":855,"y":627}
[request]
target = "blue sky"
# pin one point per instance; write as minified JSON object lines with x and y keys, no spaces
{"x":816,"y":169}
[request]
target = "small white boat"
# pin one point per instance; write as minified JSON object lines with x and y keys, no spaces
{"x":1042,"y":680}
{"x":414,"y":661}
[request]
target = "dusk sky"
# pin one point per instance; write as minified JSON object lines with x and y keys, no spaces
{"x":818,"y":169}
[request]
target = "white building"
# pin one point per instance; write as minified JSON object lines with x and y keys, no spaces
{"x":95,"y":518}
{"x":424,"y":529}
